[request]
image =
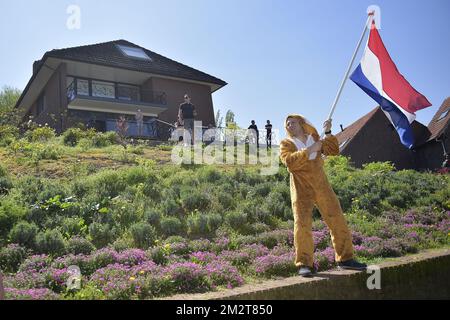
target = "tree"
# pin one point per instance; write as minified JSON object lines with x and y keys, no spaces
{"x":8,"y":99}
{"x":218,"y":119}
{"x":229,"y":117}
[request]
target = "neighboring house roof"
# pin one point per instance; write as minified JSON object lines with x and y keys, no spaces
{"x":420,"y":132}
{"x":440,"y":120}
{"x":109,"y":54}
{"x":344,"y":137}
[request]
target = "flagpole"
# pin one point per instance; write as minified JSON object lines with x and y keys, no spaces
{"x":333,"y":107}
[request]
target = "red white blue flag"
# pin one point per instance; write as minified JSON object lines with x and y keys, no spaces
{"x":378,"y":76}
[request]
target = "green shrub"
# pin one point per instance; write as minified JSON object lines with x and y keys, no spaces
{"x":79,"y":245}
{"x":171,"y":226}
{"x":73,"y":226}
{"x":236,"y":220}
{"x":193,"y":199}
{"x":24,"y":233}
{"x":72,"y":136}
{"x":10,"y":213}
{"x":203,"y":225}
{"x":101,"y":234}
{"x":144,"y":234}
{"x":8,"y":134}
{"x":197,"y":225}
{"x":45,"y":152}
{"x":101,"y":140}
{"x":5,"y":181}
{"x":11,"y":257}
{"x":153,"y":217}
{"x":123,"y":243}
{"x":51,"y":242}
{"x":40,"y":134}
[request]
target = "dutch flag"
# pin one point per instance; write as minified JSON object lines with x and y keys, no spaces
{"x":378,"y":76}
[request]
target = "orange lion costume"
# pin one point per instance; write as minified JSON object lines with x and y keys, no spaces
{"x":309,"y":187}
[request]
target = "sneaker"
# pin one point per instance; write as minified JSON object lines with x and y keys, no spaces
{"x":305,"y":271}
{"x":352,"y":265}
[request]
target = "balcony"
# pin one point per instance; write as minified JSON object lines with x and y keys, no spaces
{"x":113,"y":97}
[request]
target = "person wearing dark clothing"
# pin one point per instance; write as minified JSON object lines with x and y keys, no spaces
{"x":269,"y":134}
{"x":186,"y":114}
{"x":254,"y":133}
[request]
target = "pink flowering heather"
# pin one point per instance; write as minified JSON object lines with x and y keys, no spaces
{"x":321,"y":238}
{"x":221,"y":244}
{"x":255,"y":250}
{"x":223,"y":273}
{"x":131,"y":257}
{"x":281,"y":250}
{"x":236,"y":258}
{"x":202,"y":257}
{"x":35,"y":262}
{"x":200,"y":245}
{"x":271,"y":265}
{"x":30,"y":294}
{"x":188,"y":277}
{"x":324,"y":260}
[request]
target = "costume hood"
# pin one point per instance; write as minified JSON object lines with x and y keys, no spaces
{"x":307,"y":126}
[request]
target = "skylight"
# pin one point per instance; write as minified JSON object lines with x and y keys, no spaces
{"x":134,"y":52}
{"x":443,"y":115}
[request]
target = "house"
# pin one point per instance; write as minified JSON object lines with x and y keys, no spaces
{"x":435,"y":149}
{"x":96,"y":84}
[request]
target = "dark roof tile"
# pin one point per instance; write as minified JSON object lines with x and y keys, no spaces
{"x":109,"y":54}
{"x":436,"y":126}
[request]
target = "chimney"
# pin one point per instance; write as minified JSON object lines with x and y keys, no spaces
{"x":342,"y":128}
{"x":36,"y":65}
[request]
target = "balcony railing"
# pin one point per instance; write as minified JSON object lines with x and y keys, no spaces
{"x":113,"y":92}
{"x":149,"y":128}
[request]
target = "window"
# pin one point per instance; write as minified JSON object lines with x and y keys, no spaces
{"x":127,"y":92}
{"x":82,"y":87}
{"x":103,"y":89}
{"x":134,"y":52}
{"x":443,"y":115}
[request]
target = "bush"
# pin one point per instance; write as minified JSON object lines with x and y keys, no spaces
{"x":197,"y":225}
{"x":171,"y":226}
{"x":5,"y":181}
{"x":51,"y":242}
{"x":194,"y":199}
{"x":100,"y":140}
{"x":8,"y":134}
{"x":72,"y":136}
{"x":11,"y":257}
{"x":10,"y":213}
{"x":101,"y":234}
{"x":236,"y":220}
{"x":144,"y":234}
{"x":45,"y":152}
{"x":78,"y":245}
{"x":40,"y":134}
{"x":153,"y":217}
{"x":73,"y":226}
{"x":24,"y":233}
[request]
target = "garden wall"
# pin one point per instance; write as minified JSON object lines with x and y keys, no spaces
{"x":420,"y":276}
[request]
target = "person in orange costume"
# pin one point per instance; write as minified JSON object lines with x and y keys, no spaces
{"x":302,"y":152}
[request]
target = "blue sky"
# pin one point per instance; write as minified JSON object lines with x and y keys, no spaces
{"x":278,"y":56}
